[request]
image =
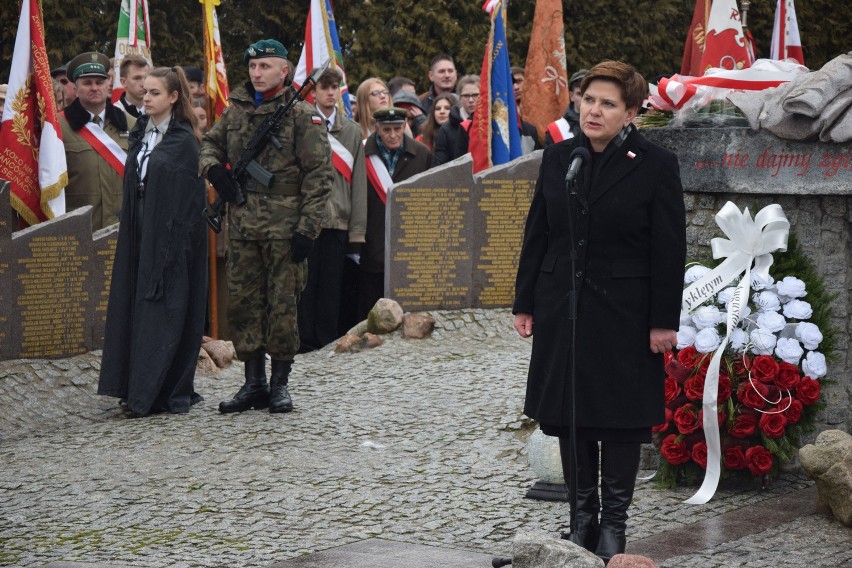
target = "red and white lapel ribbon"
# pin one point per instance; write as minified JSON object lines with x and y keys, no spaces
{"x":748,"y":248}
{"x":106,"y":147}
{"x":379,"y":176}
{"x":341,"y":158}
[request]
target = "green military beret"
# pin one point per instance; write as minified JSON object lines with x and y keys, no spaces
{"x":89,"y":64}
{"x":265,"y":48}
{"x":391,"y":115}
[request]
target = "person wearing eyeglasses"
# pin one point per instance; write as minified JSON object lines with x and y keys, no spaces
{"x":452,"y":138}
{"x":372,"y":95}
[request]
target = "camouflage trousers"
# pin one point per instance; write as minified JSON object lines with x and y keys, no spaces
{"x":263,"y":292}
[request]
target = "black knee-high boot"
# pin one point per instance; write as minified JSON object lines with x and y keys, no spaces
{"x":619,"y":466}
{"x":585,"y":518}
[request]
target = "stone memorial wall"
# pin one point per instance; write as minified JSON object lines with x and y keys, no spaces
{"x":54,"y":284}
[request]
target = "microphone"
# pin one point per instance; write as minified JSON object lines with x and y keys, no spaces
{"x":578,"y":156}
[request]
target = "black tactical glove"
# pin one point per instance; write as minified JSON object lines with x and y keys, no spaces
{"x":300,"y":247}
{"x":222,"y":182}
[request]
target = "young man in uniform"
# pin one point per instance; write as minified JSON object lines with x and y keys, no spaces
{"x":272,"y":234}
{"x":131,"y":74}
{"x":344,"y":220}
{"x":95,"y":134}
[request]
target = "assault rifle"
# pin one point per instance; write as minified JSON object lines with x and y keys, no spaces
{"x":265,"y":134}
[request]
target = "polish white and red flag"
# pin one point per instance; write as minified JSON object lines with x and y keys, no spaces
{"x":32,"y":156}
{"x":786,"y":43}
{"x":322,"y":44}
{"x":725,"y":44}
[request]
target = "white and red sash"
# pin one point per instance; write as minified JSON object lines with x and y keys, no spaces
{"x":560,"y":130}
{"x":341,"y":158}
{"x":379,"y":177}
{"x":106,"y":147}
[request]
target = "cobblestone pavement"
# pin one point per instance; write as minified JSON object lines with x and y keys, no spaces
{"x":414,"y":441}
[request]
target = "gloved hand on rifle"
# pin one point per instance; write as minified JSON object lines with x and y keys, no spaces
{"x":300,"y":247}
{"x":222,"y":182}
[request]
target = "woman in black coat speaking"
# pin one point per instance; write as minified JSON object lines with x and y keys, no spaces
{"x":156,"y":311}
{"x":623,"y":222}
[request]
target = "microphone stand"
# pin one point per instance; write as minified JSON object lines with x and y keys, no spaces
{"x":571,"y":187}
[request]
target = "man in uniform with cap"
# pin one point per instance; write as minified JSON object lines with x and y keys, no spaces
{"x":391,"y":156}
{"x":95,"y":134}
{"x":272,"y":234}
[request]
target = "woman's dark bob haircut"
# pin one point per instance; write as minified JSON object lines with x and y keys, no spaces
{"x":633,"y":87}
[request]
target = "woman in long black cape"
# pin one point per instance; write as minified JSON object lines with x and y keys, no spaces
{"x":156,"y":311}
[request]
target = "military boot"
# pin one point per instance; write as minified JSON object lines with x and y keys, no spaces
{"x":254,"y":393}
{"x":279,"y":396}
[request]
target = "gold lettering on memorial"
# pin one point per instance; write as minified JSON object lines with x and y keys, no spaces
{"x":53,"y":298}
{"x":432,"y":246}
{"x":504,"y":204}
{"x":107,"y":256}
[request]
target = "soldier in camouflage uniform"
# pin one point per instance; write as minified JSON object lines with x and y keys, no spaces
{"x":272,"y":234}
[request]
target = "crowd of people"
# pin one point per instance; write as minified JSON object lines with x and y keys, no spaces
{"x":306,"y":240}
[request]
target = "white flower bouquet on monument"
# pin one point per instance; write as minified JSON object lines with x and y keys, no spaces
{"x":768,"y":375}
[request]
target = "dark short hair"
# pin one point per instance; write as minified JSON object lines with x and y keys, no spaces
{"x":132,"y":59}
{"x":329,"y":76}
{"x":515,"y":69}
{"x":441,"y":57}
{"x":395,"y":84}
{"x":633,"y":87}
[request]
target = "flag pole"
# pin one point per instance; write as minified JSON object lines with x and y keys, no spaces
{"x":212,"y":259}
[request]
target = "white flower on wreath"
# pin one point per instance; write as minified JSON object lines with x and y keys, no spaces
{"x":707,"y":340}
{"x":789,"y":350}
{"x":685,"y":318}
{"x":798,"y":309}
{"x":809,"y":334}
{"x":738,"y":340}
{"x":762,"y":341}
{"x":694,"y":272}
{"x":791,"y":287}
{"x":767,"y":301}
{"x":759,"y":283}
{"x":773,"y":321}
{"x":706,"y":316}
{"x":813,"y":365}
{"x":686,"y":336}
{"x":724,"y":296}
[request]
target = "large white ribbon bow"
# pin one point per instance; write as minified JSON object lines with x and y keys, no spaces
{"x":748,"y":248}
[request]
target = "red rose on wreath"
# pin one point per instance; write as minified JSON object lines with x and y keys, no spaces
{"x":693,"y":388}
{"x":673,"y":451}
{"x":740,"y":365}
{"x":773,"y":424}
{"x":744,"y":426}
{"x":759,"y":460}
{"x":686,"y":419}
{"x":689,"y":356}
{"x":734,"y":458}
{"x":665,"y":425}
{"x":677,"y":370}
{"x":672,"y":389}
{"x":794,"y":409}
{"x":699,"y":454}
{"x":808,"y":391}
{"x":788,"y":376}
{"x":724,"y":392}
{"x":752,"y":394}
{"x":764,"y":369}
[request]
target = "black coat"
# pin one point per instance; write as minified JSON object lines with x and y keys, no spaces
{"x":629,"y":231}
{"x":155,"y":320}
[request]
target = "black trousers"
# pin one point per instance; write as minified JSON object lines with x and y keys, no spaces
{"x":319,"y":304}
{"x":371,"y":288}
